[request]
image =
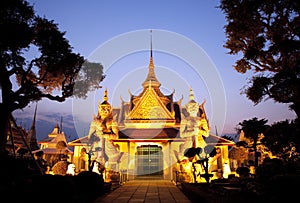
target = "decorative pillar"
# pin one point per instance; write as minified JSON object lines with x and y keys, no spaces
{"x":103,"y":151}
{"x":128,"y":158}
{"x":170,"y":160}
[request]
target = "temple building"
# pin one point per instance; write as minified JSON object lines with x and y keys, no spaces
{"x":21,"y":142}
{"x":147,"y":135}
{"x":54,"y":146}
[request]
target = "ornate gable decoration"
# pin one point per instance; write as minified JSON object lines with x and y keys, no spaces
{"x":150,"y":107}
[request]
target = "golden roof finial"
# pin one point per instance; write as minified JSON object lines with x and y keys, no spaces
{"x":151,"y":56}
{"x":151,"y":75}
{"x":105,"y":97}
{"x":151,"y":43}
{"x":191,"y":94}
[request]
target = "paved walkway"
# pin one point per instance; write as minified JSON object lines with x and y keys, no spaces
{"x":146,"y":191}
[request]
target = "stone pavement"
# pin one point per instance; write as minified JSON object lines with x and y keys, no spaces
{"x":146,"y":191}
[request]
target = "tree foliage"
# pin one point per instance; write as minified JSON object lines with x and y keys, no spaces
{"x":37,"y":61}
{"x":266,"y":35}
{"x":252,"y":129}
{"x":282,"y":139}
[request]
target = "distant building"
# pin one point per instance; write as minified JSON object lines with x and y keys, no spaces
{"x":54,"y":147}
{"x":19,"y":141}
{"x":17,"y":138}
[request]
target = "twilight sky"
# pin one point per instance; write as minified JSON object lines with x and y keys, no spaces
{"x":188,"y":39}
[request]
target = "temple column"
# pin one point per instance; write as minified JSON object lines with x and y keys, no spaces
{"x":170,"y":161}
{"x":128,"y":158}
{"x":103,"y":152}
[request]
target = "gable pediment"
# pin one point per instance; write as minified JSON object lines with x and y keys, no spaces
{"x":150,"y":107}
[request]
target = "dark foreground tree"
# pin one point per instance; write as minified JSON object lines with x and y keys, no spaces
{"x":283,"y":140}
{"x":191,"y":153}
{"x":267,"y":35}
{"x":253,"y":128}
{"x":36,"y":61}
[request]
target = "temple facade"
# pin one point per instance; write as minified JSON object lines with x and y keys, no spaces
{"x":147,"y":135}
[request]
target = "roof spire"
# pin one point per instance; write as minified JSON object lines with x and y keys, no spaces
{"x":61,"y":124}
{"x":150,"y":43}
{"x":105,"y":97}
{"x":191,"y":94}
{"x":32,"y":132}
{"x":34,"y":117}
{"x":151,"y":56}
{"x":151,"y":75}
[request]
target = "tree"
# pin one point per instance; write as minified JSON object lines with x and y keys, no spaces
{"x":253,"y":128}
{"x":209,"y":151}
{"x":282,"y":139}
{"x":54,"y":72}
{"x":267,"y":35}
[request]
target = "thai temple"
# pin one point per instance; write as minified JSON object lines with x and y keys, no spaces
{"x":147,"y":135}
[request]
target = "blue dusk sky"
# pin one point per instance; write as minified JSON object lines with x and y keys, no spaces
{"x":187,"y":42}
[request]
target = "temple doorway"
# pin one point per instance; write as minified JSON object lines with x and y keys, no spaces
{"x":149,"y":161}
